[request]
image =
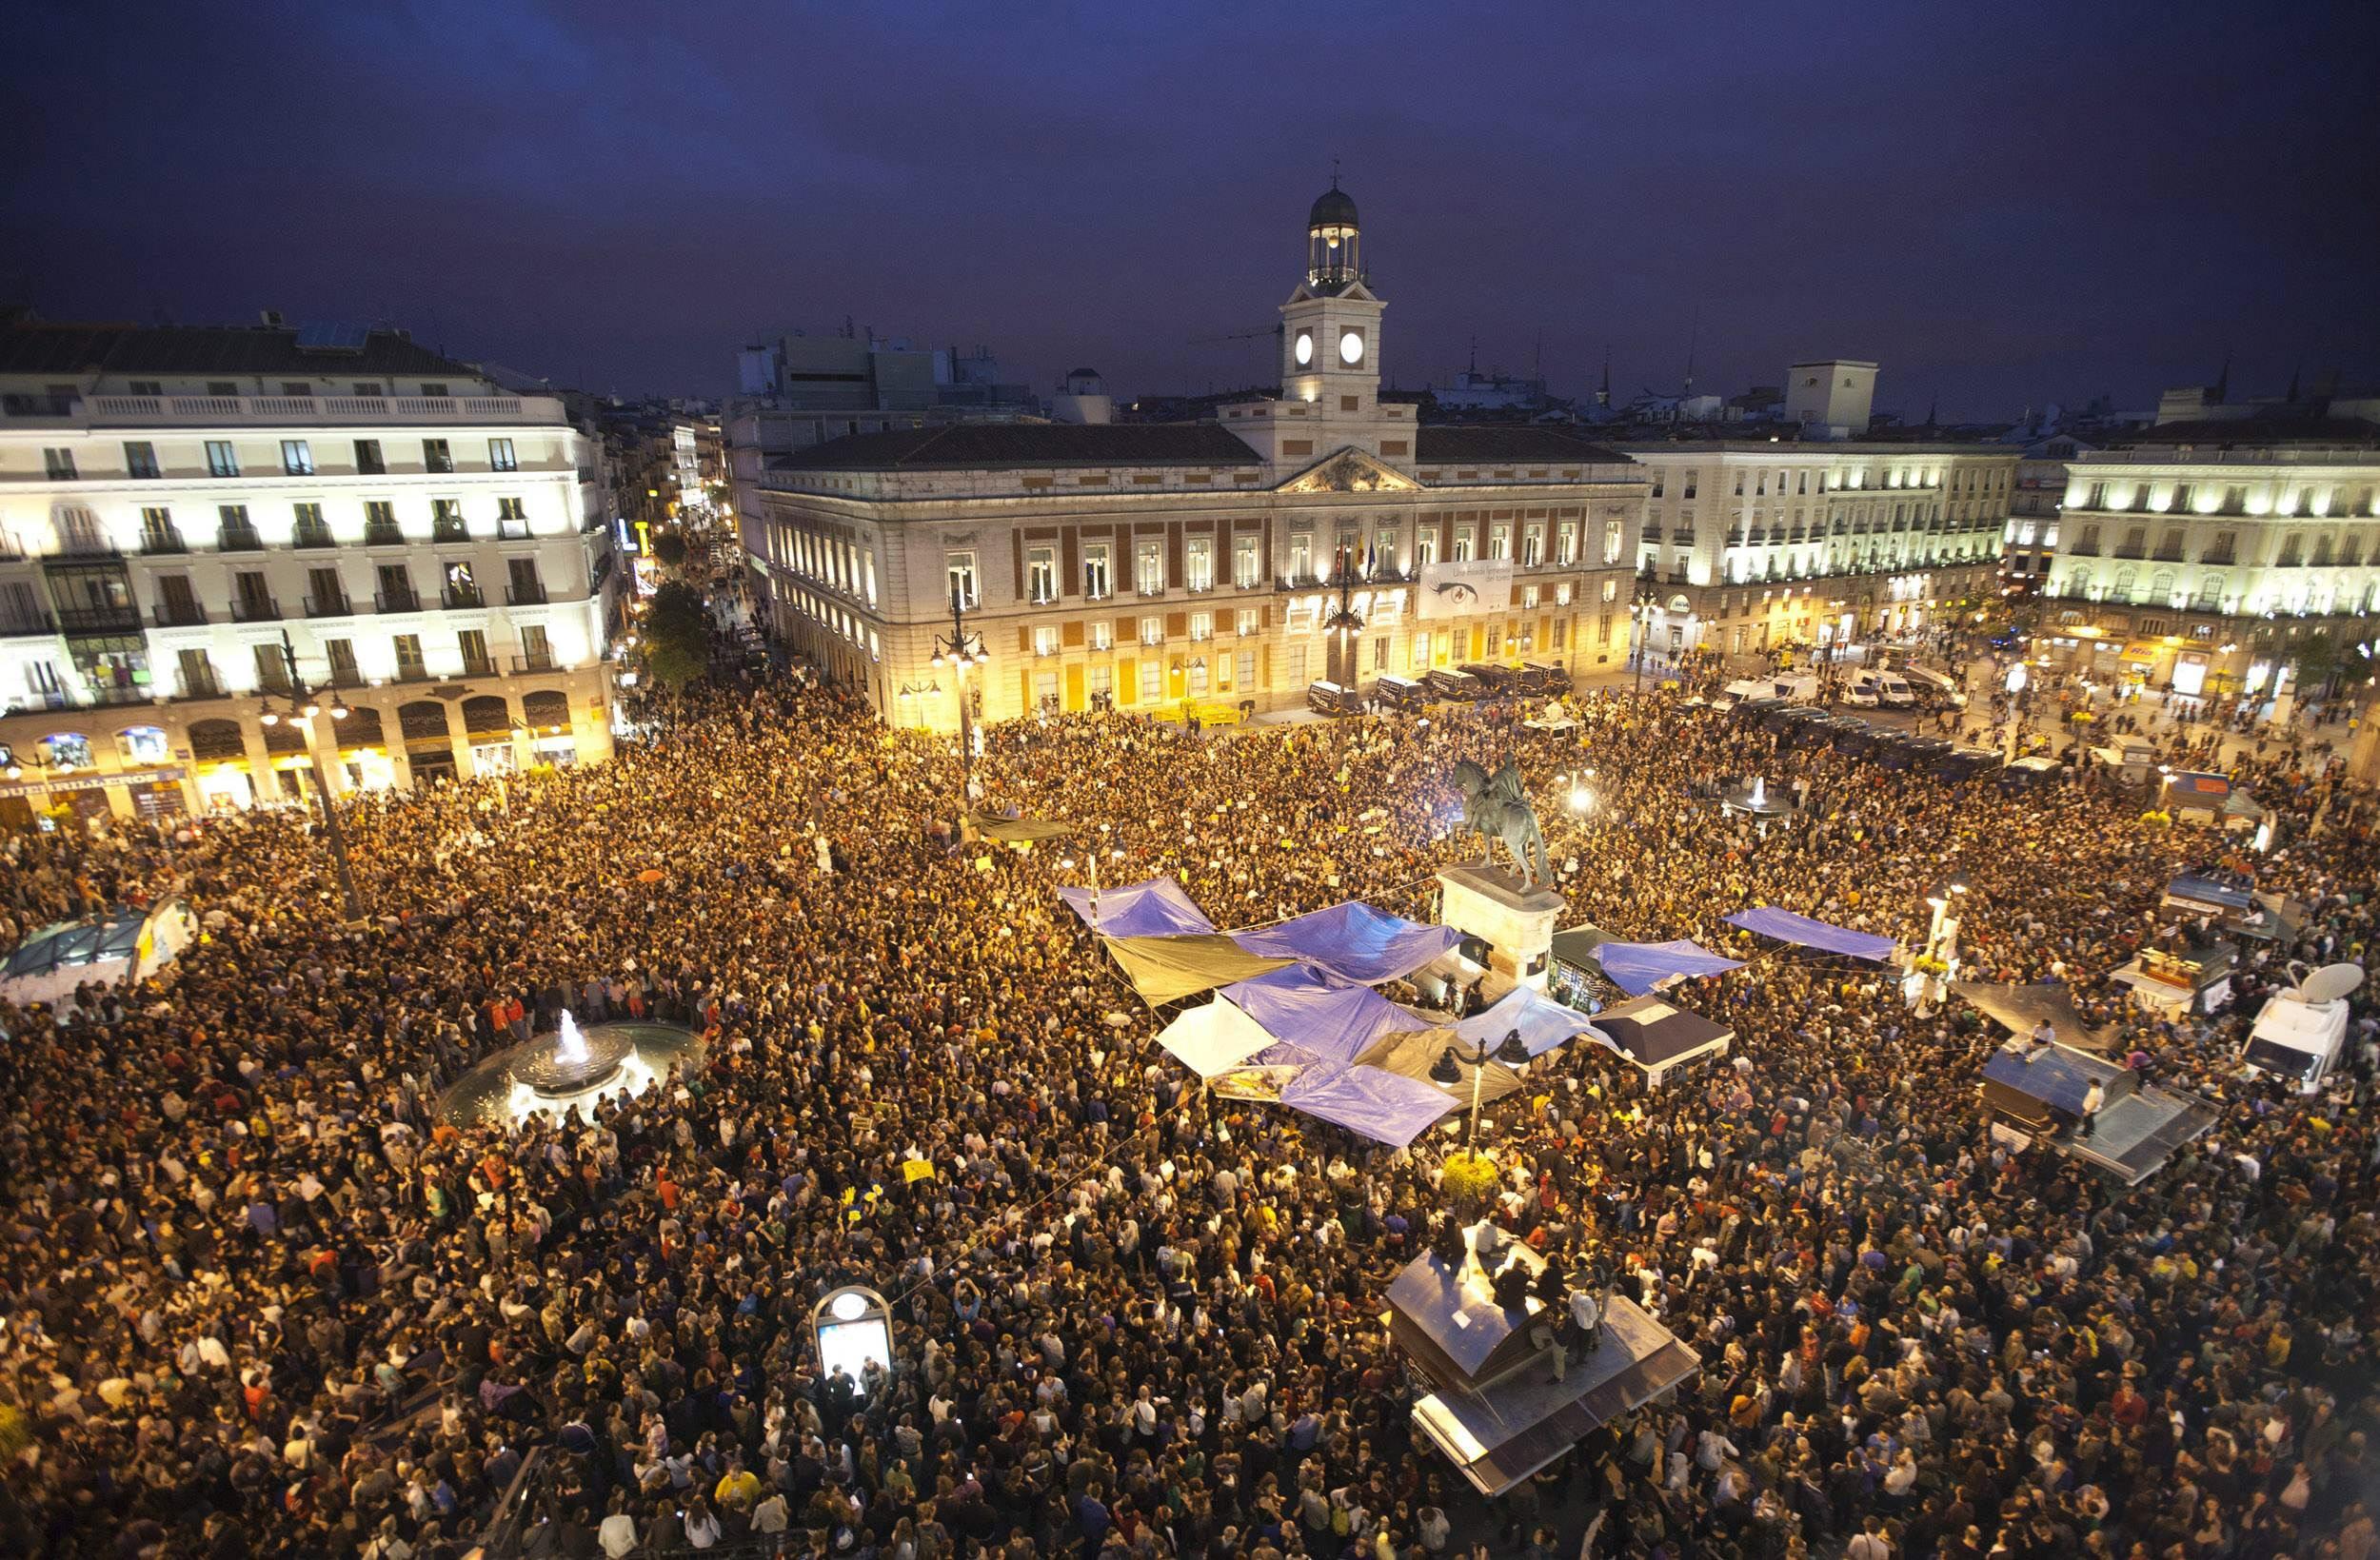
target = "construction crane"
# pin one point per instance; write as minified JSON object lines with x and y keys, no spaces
{"x":1235,"y":336}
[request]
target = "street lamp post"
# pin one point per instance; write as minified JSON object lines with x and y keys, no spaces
{"x":960,"y":650}
{"x":1449,"y":1066}
{"x":1344,"y":622}
{"x":1641,"y":619}
{"x":303,"y":708}
{"x":1090,"y":860}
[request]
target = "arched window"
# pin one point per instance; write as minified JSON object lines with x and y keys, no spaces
{"x":65,"y":750}
{"x":214,"y":740}
{"x":362,"y":728}
{"x":545,"y":709}
{"x":143,"y":744}
{"x":486,"y":715}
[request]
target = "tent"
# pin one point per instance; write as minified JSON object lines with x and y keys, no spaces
{"x":2021,"y":1009}
{"x":1156,"y":908}
{"x":1412,"y":1052}
{"x":1543,"y":1023}
{"x":1638,"y":967}
{"x":1379,"y":1105}
{"x":1303,"y":1005}
{"x":128,"y":943}
{"x":1166,"y":969}
{"x":1660,"y":1037}
{"x":1787,"y":927}
{"x":1214,"y":1037}
{"x":1018,"y":831}
{"x":1354,"y":941}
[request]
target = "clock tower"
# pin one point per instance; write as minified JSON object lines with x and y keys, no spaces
{"x":1331,"y":326}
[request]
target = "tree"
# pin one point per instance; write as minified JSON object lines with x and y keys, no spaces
{"x":672,"y":664}
{"x":670,"y":548}
{"x":2315,"y":659}
{"x":677,"y":634}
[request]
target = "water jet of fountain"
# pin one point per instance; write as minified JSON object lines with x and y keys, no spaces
{"x":1759,"y":795}
{"x":569,"y":1047}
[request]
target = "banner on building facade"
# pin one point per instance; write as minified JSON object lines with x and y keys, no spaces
{"x":90,"y":782}
{"x":1458,"y":590}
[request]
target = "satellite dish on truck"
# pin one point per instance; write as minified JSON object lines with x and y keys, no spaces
{"x":2329,"y":984}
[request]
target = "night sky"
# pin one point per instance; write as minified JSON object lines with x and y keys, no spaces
{"x":2002,"y":203}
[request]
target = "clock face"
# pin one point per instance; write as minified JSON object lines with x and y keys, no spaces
{"x":1351,"y":348}
{"x":1305,"y":347}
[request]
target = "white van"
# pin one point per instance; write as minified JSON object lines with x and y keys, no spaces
{"x":1896,"y":690}
{"x":1939,"y":686}
{"x":1797,"y":690}
{"x":2301,"y":1034}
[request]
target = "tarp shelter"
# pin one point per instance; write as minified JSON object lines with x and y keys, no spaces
{"x":1154,"y":909}
{"x":1543,"y":1023}
{"x":1354,"y":941}
{"x":1214,"y":1037}
{"x":1021,"y":831}
{"x":1382,"y":1106}
{"x":1165,"y":969}
{"x":1787,"y":927}
{"x":1305,"y":1006}
{"x":126,"y":944}
{"x":1638,"y":967}
{"x":2022,"y":1008}
{"x":1413,"y":1053}
{"x":2209,"y":894}
{"x":1659,"y":1036}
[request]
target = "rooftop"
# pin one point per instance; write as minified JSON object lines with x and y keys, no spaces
{"x":970,"y":447}
{"x":1508,"y":441}
{"x":40,"y":348}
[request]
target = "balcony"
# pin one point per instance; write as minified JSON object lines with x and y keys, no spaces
{"x":202,"y":683}
{"x":449,"y":530}
{"x":99,"y":620}
{"x":512,"y":530}
{"x":411,"y":671}
{"x":19,"y":624}
{"x":312,"y":535}
{"x":255,"y":609}
{"x":2169,"y":555}
{"x":2222,"y":558}
{"x":279,"y":410}
{"x":2133,"y":553}
{"x":168,"y":541}
{"x":180,"y":615}
{"x":329,"y":606}
{"x":542,"y":661}
{"x":82,"y":543}
{"x":239,"y":539}
{"x":114,"y":693}
{"x":479,"y":666}
{"x":461,"y":598}
{"x":396,"y":600}
{"x":2083,"y":549}
{"x":379,"y":534}
{"x":526,"y":594}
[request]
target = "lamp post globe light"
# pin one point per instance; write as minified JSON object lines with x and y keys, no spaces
{"x":1344,"y":622}
{"x":960,"y":650}
{"x":1640,"y":609}
{"x":1448,"y":1070}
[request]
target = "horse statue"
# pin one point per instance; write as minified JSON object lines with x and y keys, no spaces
{"x":1497,"y":808}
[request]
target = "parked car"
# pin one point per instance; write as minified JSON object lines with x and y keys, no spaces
{"x":1329,"y":698}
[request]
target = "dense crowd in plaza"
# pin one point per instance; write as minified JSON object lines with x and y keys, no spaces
{"x":258,"y":1299}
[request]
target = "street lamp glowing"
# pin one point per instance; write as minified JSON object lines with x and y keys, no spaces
{"x":1580,"y":799}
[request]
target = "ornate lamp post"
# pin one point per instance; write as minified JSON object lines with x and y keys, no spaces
{"x":1640,"y":610}
{"x":1449,"y":1066}
{"x":1344,"y":622}
{"x":959,"y":649}
{"x":304,"y":707}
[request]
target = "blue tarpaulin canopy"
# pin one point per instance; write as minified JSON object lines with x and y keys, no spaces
{"x":1787,"y":927}
{"x":1306,"y":1007}
{"x":1543,"y":1023}
{"x":1383,"y":1106}
{"x":1637,"y":967}
{"x":1154,"y":909}
{"x":1354,"y":941}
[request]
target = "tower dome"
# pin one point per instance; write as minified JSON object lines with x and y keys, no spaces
{"x":1332,"y":239}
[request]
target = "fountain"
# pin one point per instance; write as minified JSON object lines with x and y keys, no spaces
{"x":569,"y":1072}
{"x":572,"y":1063}
{"x":1752,"y":798}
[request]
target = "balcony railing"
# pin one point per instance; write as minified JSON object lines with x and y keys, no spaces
{"x":449,"y":530}
{"x":202,"y":683}
{"x":411,"y":671}
{"x":396,"y":600}
{"x":312,"y":535}
{"x":479,"y":666}
{"x":2169,"y":555}
{"x":388,"y":535}
{"x":180,"y":615}
{"x":255,"y":609}
{"x":166,"y":410}
{"x":78,"y":544}
{"x":2133,"y":553}
{"x":18,"y":624}
{"x":166,"y":540}
{"x":2224,"y":559}
{"x":542,"y":662}
{"x":239,"y":539}
{"x":329,"y":606}
{"x":512,"y":530}
{"x":531,"y":594}
{"x":99,"y":620}
{"x":461,"y":598}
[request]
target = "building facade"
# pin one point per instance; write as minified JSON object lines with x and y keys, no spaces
{"x":1149,"y":566}
{"x":1755,"y":545}
{"x":179,"y":504}
{"x":2205,"y":555}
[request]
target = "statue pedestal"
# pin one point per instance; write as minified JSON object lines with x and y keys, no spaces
{"x":1516,"y":923}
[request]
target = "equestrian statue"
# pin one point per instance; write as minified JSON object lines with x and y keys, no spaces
{"x":1498,"y":808}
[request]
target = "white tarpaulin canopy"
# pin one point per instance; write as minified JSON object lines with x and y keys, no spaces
{"x":1214,"y":1037}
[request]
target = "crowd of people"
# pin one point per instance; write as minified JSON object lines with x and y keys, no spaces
{"x":262,"y":1298}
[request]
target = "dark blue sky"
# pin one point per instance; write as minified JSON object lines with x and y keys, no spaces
{"x":2003,"y":203}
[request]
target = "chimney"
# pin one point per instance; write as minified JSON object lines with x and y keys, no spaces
{"x":270,"y":318}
